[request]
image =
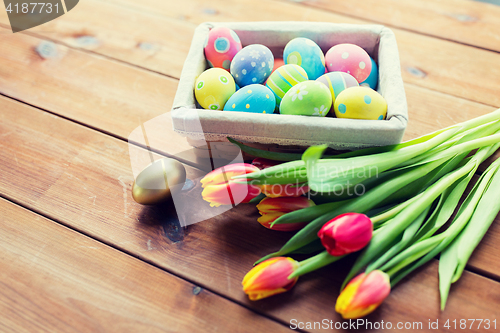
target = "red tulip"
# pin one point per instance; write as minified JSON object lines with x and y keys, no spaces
{"x":363,"y":295}
{"x":346,"y":233}
{"x":220,"y":190}
{"x":269,"y":278}
{"x":272,"y":208}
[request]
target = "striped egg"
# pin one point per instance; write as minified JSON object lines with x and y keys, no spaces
{"x":337,"y":82}
{"x":284,"y":78}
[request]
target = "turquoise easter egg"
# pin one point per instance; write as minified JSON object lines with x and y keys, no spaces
{"x":307,"y":54}
{"x":254,"y":98}
{"x":284,"y":78}
{"x":372,"y":79}
{"x":336,"y":82}
{"x":308,"y":98}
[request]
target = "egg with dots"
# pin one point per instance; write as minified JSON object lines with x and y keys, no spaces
{"x":336,"y":82}
{"x":308,"y":98}
{"x":349,"y":58}
{"x":221,"y":46}
{"x":252,"y":65}
{"x":372,"y":79}
{"x":360,"y":103}
{"x":254,"y":98}
{"x":283,"y":79}
{"x":307,"y":54}
{"x":213,"y":88}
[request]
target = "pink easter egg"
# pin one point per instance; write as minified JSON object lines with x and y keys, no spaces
{"x":220,"y":47}
{"x":349,"y":58}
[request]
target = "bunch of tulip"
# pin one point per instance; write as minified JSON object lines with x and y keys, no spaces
{"x":396,"y":221}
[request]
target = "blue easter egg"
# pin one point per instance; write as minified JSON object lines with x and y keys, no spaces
{"x":254,"y":98}
{"x":307,"y":54}
{"x":372,"y":79}
{"x":253,"y":64}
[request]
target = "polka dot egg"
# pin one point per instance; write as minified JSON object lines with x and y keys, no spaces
{"x":221,"y":46}
{"x":254,"y":98}
{"x":360,"y":103}
{"x":308,"y":98}
{"x":349,"y":58}
{"x":213,"y":88}
{"x":307,"y":54}
{"x":284,"y":78}
{"x":372,"y":79}
{"x":253,"y":64}
{"x":337,"y":82}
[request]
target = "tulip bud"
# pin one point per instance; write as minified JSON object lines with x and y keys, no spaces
{"x":285,"y":190}
{"x":363,"y":294}
{"x":272,"y":208}
{"x":346,"y":233}
{"x":269,"y":278}
{"x":264,"y":163}
{"x":219,"y":189}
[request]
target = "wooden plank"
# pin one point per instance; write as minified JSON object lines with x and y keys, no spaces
{"x":82,"y":178}
{"x":462,"y":21}
{"x":157,"y":43}
{"x":56,"y":280}
{"x":112,"y":97}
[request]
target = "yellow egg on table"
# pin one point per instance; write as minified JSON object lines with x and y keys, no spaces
{"x":213,"y":88}
{"x":360,"y":103}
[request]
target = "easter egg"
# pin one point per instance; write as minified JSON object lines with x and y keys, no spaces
{"x":308,"y":98}
{"x":307,"y":54}
{"x":213,"y":88}
{"x":221,"y":46}
{"x":349,"y":58}
{"x":156,"y":182}
{"x":254,"y":98}
{"x":253,"y":64}
{"x":372,"y":79}
{"x":336,"y":82}
{"x":360,"y":103}
{"x":284,"y":78}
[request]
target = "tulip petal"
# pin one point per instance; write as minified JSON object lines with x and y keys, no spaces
{"x":269,"y":278}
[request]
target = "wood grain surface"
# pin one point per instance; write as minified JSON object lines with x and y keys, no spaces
{"x":54,"y":279}
{"x":78,"y":254}
{"x":82,"y":178}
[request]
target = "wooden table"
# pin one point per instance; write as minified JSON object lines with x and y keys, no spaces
{"x":78,"y":254}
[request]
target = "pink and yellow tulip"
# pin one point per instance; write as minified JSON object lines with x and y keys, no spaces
{"x":346,"y":233}
{"x":269,"y":278}
{"x":363,"y":295}
{"x":272,"y":208}
{"x":219,"y":189}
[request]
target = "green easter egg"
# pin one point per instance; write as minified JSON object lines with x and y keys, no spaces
{"x":308,"y":98}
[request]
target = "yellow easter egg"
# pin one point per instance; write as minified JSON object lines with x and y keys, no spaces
{"x":360,"y":103}
{"x":213,"y":88}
